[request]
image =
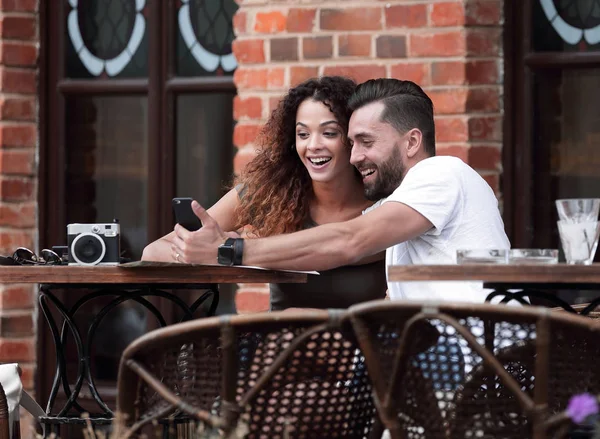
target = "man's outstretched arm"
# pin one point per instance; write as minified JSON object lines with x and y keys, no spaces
{"x":319,"y":248}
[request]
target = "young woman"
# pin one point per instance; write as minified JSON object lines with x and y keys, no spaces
{"x":300,"y":178}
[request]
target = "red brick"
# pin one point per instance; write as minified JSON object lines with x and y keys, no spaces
{"x":17,"y":108}
{"x":240,"y":21}
{"x":459,"y":72}
{"x":406,"y":16}
{"x":17,"y":296}
{"x":360,"y":73}
{"x":275,"y":78}
{"x":449,"y":101}
{"x":354,"y":45}
{"x":251,"y":301}
{"x":274,"y":102}
{"x":447,"y":14}
{"x":390,"y":46}
{"x":353,"y":19}
{"x":247,"y":107}
{"x":242,"y":158}
{"x":485,"y":157}
{"x":17,"y":80}
{"x":16,"y":324}
{"x":10,"y":240}
{"x":301,"y":20}
{"x":21,"y":135}
{"x":448,"y":73}
{"x":17,"y":162}
{"x":284,"y":49}
{"x":483,"y":12}
{"x":18,"y":5}
{"x":484,"y":42}
{"x":16,"y":189}
{"x":412,"y":71}
{"x":483,"y":100}
{"x":460,"y":151}
{"x":270,"y":22}
{"x":18,"y":27}
{"x":301,"y":73}
{"x":249,"y":51}
{"x":485,"y":128}
{"x":27,"y":376}
{"x":493,"y":181}
{"x":250,"y":78}
{"x":17,"y":215}
{"x":19,"y":54}
{"x":317,"y":47}
{"x":451,"y":129}
{"x":450,"y":43}
{"x":15,"y":350}
{"x":245,"y":134}
{"x":483,"y":72}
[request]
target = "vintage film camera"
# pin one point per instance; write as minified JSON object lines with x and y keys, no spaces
{"x":94,"y":244}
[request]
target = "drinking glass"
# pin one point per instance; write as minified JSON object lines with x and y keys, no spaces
{"x":579,"y":240}
{"x":533,"y":256}
{"x":482,"y":256}
{"x":577,"y":210}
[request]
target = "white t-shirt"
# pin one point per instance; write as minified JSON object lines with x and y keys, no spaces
{"x":464,"y":212}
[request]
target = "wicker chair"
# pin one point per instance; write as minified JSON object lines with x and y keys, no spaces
{"x":475,"y":371}
{"x":270,"y":375}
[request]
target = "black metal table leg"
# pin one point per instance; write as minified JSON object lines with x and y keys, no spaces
{"x":120,"y":294}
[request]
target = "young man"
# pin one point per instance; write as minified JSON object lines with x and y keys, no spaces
{"x":431,"y":206}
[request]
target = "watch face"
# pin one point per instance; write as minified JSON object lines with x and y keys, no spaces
{"x":225,"y":255}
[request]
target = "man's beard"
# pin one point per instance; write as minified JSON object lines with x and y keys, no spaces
{"x":389,"y":177}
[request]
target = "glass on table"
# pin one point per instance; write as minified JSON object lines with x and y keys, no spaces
{"x":577,"y":210}
{"x":533,"y":256}
{"x":579,"y":240}
{"x":482,"y":256}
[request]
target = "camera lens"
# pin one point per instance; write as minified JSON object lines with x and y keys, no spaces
{"x":88,"y":249}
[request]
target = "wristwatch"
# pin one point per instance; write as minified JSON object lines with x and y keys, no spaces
{"x":231,"y":252}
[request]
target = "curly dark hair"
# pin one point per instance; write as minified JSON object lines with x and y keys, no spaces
{"x":276,"y":187}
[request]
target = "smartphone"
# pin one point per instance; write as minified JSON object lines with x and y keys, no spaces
{"x":184,"y":215}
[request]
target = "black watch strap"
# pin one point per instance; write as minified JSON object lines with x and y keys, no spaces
{"x":238,"y":251}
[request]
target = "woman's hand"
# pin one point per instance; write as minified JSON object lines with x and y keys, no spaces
{"x":199,"y":247}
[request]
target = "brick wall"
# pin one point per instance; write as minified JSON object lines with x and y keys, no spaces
{"x":452,"y":48}
{"x":18,"y":180}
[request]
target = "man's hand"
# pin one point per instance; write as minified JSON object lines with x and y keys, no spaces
{"x":199,"y":247}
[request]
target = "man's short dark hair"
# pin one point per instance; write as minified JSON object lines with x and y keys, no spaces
{"x":407,"y":106}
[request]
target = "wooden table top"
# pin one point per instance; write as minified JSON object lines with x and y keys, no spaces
{"x":145,"y":273}
{"x":498,"y":273}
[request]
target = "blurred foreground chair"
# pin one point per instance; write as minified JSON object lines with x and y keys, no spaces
{"x":269,"y":375}
{"x":475,"y":371}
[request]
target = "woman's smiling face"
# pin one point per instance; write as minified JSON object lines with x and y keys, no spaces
{"x":320,"y":141}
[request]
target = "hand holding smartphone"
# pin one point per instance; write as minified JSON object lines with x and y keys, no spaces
{"x":184,"y":215}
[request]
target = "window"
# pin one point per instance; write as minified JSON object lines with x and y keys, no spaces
{"x":551,"y":113}
{"x":136,"y":109}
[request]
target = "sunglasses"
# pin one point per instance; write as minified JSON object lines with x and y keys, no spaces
{"x":24,"y":256}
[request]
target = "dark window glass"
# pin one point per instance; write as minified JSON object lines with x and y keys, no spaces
{"x":107,"y":38}
{"x":566,"y":25}
{"x":565,"y":149}
{"x":204,"y":145}
{"x":205,"y":33}
{"x":106,"y":165}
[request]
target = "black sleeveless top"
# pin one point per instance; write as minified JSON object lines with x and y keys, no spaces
{"x":336,"y":288}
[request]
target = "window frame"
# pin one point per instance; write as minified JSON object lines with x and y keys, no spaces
{"x":521,"y":62}
{"x":162,"y":87}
